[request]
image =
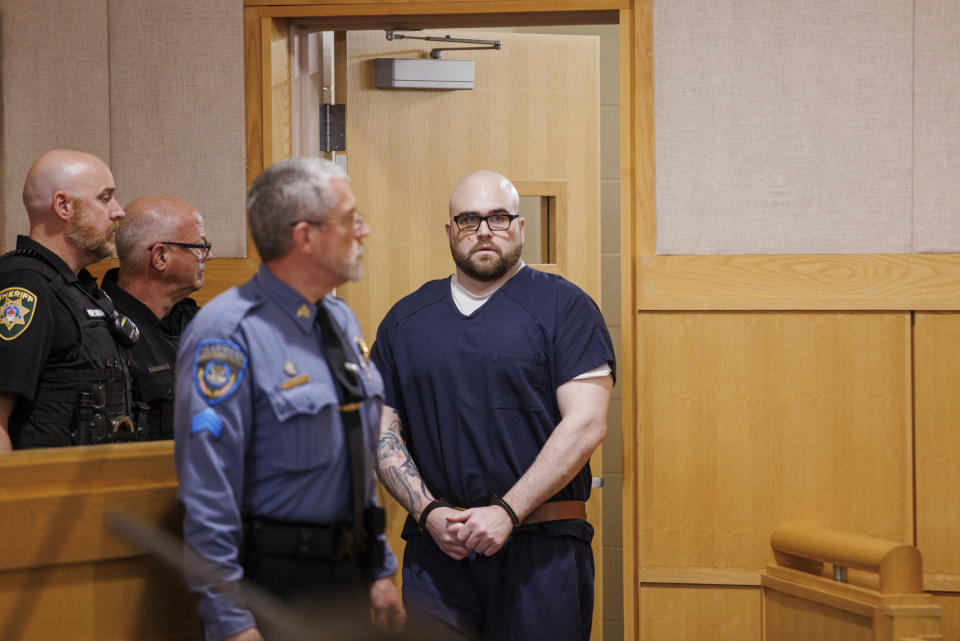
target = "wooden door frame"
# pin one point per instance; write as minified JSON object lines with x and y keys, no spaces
{"x":268,"y":117}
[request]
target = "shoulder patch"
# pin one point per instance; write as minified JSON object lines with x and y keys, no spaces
{"x":218,"y":368}
{"x":16,"y":311}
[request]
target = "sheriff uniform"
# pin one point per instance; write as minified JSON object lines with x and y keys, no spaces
{"x":152,"y":358}
{"x":61,"y":355}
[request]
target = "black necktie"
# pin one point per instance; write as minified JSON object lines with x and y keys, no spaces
{"x":335,"y":350}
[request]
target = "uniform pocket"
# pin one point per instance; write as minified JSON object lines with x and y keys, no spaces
{"x":154,"y":385}
{"x":519,"y":381}
{"x":309,"y":432}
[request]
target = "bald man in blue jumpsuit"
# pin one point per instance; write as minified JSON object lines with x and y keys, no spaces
{"x":497,"y":385}
{"x":277,"y":415}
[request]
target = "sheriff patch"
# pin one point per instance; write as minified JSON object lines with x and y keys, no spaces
{"x":218,"y":369}
{"x":16,"y":311}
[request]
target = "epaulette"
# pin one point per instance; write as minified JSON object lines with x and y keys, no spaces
{"x":9,"y":262}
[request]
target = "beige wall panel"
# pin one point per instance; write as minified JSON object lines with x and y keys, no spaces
{"x":790,"y":618}
{"x":937,"y":363}
{"x":751,"y":419}
{"x":783,"y":127}
{"x":54,"y":92}
{"x":176,"y":109}
{"x":936,"y":153}
{"x":695,"y":613}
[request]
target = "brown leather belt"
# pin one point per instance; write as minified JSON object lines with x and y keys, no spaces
{"x":557,"y":511}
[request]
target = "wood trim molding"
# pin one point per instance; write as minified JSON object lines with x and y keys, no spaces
{"x":366,"y":7}
{"x":890,"y":282}
{"x":636,"y":154}
{"x":556,"y":189}
{"x":941,"y":582}
{"x":745,"y":577}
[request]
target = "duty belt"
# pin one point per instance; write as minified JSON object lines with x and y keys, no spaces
{"x":267,"y":537}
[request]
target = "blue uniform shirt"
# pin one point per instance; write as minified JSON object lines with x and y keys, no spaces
{"x":258,"y":431}
{"x":477,"y":394}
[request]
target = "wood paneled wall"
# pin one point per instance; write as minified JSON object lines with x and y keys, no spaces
{"x":749,"y":419}
{"x":937,"y":384}
{"x":774,"y":387}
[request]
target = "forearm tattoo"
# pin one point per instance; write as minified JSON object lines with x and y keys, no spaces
{"x":397,"y":471}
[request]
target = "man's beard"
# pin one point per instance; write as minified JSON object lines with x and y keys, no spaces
{"x":84,"y":235}
{"x":486,"y":272}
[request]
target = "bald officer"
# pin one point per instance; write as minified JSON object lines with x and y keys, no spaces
{"x":64,"y":381}
{"x":163,"y":250}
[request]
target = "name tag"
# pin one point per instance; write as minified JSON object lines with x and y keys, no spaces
{"x":159,"y":368}
{"x":294,"y":382}
{"x":96,"y":313}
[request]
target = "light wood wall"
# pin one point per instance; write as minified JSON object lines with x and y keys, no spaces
{"x":64,"y":574}
{"x":768,"y":388}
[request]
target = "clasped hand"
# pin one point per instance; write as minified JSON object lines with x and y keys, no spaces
{"x":483,"y":530}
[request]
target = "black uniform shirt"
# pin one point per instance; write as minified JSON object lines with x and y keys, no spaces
{"x":152,"y":358}
{"x":37,"y":329}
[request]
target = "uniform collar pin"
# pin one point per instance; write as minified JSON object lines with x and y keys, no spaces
{"x":364,"y":350}
{"x":303,"y":311}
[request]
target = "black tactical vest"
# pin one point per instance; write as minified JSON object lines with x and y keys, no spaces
{"x":86,"y":400}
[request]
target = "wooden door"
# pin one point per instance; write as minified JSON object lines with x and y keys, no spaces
{"x":533,"y":116}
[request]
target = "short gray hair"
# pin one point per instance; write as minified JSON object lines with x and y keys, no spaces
{"x":287,"y":191}
{"x":140,"y":229}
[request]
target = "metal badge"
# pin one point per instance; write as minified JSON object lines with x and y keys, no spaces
{"x":289,"y":368}
{"x":303,"y":311}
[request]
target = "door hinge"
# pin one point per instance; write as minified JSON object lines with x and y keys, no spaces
{"x":333,"y":127}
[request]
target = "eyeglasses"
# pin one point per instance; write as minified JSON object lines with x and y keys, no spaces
{"x":205,"y":247}
{"x":357,"y":221}
{"x":495,"y":222}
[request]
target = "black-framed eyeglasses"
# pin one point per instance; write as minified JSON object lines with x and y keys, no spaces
{"x":495,"y":222}
{"x":205,"y":247}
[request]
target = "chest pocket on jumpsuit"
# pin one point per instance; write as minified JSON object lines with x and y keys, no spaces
{"x":308,"y":430}
{"x":519,"y":381}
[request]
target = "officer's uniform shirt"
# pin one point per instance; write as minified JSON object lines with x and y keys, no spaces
{"x":39,"y":331}
{"x":153,"y":357}
{"x":257,"y":427}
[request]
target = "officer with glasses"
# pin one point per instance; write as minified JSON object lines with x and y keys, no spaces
{"x":163,"y":251}
{"x":497,"y":384}
{"x":277,"y":417}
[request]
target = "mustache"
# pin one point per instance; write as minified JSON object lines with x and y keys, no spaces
{"x":491,"y":247}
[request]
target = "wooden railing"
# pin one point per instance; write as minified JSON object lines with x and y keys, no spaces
{"x":828,"y":584}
